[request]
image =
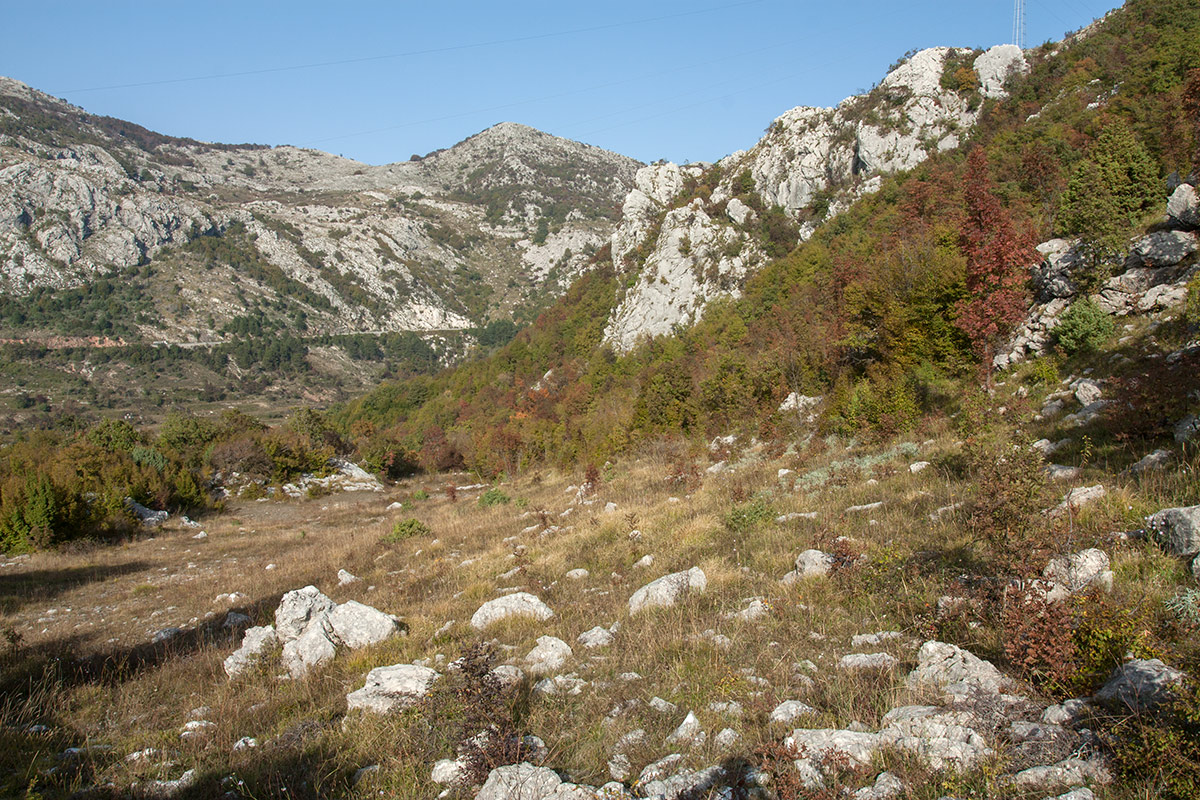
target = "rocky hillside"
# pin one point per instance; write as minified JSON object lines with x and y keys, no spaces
{"x":210,"y":239}
{"x":691,"y":234}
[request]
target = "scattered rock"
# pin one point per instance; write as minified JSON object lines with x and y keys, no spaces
{"x":345,"y":578}
{"x":1184,"y":207}
{"x":1077,"y":498}
{"x":1065,"y":713}
{"x":918,"y":466}
{"x":596,"y":637}
{"x":149,"y":517}
{"x":521,"y":781}
{"x":756,"y":609}
{"x":789,"y":711}
{"x":392,"y":688}
{"x":235,"y":621}
{"x":1140,"y":684}
{"x":867,"y":507}
{"x":1177,"y":530}
{"x":944,"y":739}
{"x":668,"y":590}
{"x":1064,"y":774}
{"x":550,"y":655}
{"x":689,"y":733}
{"x":823,"y":743}
{"x":662,"y":706}
{"x":577,"y":574}
{"x":814,"y":563}
{"x":867,"y":661}
{"x":1077,"y":572}
{"x":875,"y":639}
{"x":886,"y":787}
{"x":518,"y":604}
{"x":1156,"y":460}
{"x":165,"y":635}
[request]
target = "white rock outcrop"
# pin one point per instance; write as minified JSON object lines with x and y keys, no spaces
{"x":392,"y":688}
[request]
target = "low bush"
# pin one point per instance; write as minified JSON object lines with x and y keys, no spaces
{"x":406,"y":529}
{"x":1085,"y":327}
{"x":494,"y":497}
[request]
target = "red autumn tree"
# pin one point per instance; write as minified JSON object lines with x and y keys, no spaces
{"x":998,"y":257}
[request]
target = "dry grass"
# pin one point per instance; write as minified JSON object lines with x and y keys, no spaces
{"x":86,"y":670}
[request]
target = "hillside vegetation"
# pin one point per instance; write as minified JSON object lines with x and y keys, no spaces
{"x":957,"y":422}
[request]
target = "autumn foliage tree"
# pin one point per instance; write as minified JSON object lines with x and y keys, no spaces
{"x":998,"y":255}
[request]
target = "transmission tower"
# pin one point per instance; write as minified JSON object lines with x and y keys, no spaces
{"x":1019,"y":23}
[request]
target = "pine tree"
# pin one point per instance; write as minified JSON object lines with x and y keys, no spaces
{"x":998,"y":257}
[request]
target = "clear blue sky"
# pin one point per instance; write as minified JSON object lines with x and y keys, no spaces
{"x":379,"y":81}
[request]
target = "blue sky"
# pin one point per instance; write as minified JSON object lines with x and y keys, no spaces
{"x":685,"y":81}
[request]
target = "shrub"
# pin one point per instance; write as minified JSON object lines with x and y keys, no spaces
{"x":1006,"y":511}
{"x":494,"y":497}
{"x":1160,"y":750}
{"x":1037,"y":638}
{"x":406,"y":529}
{"x":748,"y":516}
{"x":1083,"y":329}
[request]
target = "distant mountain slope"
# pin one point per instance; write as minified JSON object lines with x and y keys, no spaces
{"x":293,"y":239}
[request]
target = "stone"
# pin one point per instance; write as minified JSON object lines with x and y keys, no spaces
{"x":756,"y":609}
{"x":943,"y":739}
{"x":549,"y":656}
{"x":1164,"y":248}
{"x":662,"y":706}
{"x":518,"y":604}
{"x":918,"y":466}
{"x":356,"y":625}
{"x":596,"y":637}
{"x":508,"y":675}
{"x":789,"y":711}
{"x":1082,"y":793}
{"x":1067,"y":773}
{"x":820,"y":743}
{"x":668,"y":590}
{"x":886,"y":787}
{"x":739,"y":212}
{"x":392,"y":688}
{"x":1061,"y":472}
{"x":1177,"y":530}
{"x":1078,"y":498}
{"x":310,"y":649}
{"x":814,"y":563}
{"x":345,"y":578}
{"x":577,"y":574}
{"x":1079,"y":571}
{"x":560,"y":685}
{"x":1087,"y":391}
{"x":1184,"y":206}
{"x":1139,"y":684}
{"x":148,"y":516}
{"x":1065,"y":713}
{"x":689,"y":733}
{"x":297,"y":608}
{"x":522,"y":781}
{"x":875,"y":639}
{"x":957,"y":673}
{"x":165,"y":635}
{"x":855,"y":661}
{"x":245,"y":743}
{"x":1187,"y":429}
{"x":255,"y":643}
{"x":164,"y":789}
{"x":1155,"y":460}
{"x":236,"y":621}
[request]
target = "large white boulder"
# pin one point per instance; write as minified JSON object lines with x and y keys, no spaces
{"x":668,"y":590}
{"x":310,"y":649}
{"x":392,"y":688}
{"x":297,"y":608}
{"x":357,"y":625}
{"x":1184,"y":206}
{"x":956,"y":672}
{"x":518,"y":604}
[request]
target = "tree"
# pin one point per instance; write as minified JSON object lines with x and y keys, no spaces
{"x":998,"y":257}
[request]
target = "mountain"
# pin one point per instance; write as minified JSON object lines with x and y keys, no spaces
{"x":488,"y":229}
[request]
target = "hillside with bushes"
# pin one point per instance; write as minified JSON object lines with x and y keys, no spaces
{"x":902,"y":505}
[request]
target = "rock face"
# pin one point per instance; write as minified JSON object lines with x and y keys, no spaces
{"x":668,"y":590}
{"x":678,"y":256}
{"x":392,"y":688}
{"x":954,"y":671}
{"x":519,"y":604}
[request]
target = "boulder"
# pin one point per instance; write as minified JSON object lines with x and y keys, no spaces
{"x":392,"y":688}
{"x":854,"y":661}
{"x":297,"y":608}
{"x":1184,"y":206}
{"x":689,"y":733}
{"x":255,"y":643}
{"x":956,"y":672}
{"x":1164,"y":248}
{"x":357,"y":625}
{"x":886,"y":787}
{"x":857,"y":747}
{"x":1077,"y":498}
{"x":1139,"y":684}
{"x":1177,"y":530}
{"x":310,"y":649}
{"x":668,"y":590}
{"x":1053,"y":278}
{"x":814,"y":563}
{"x":521,"y":781}
{"x":549,"y":656}
{"x":1077,"y":572}
{"x":518,"y":604}
{"x":596,"y":637}
{"x":1087,"y":391}
{"x":789,"y":711}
